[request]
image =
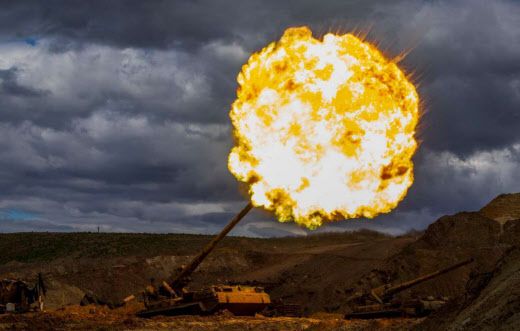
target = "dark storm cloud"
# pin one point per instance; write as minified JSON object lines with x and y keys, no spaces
{"x":183,"y":23}
{"x":169,"y":85}
{"x":464,"y":52}
{"x":9,"y":85}
{"x":194,"y":29}
{"x":471,"y":75}
{"x":114,"y":114}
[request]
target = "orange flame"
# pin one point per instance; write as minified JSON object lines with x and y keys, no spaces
{"x":324,"y":130}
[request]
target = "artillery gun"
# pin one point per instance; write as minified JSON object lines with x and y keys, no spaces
{"x":172,"y":297}
{"x":18,"y":296}
{"x":380,"y":301}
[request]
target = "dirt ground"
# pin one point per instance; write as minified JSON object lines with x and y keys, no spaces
{"x":96,"y":318}
{"x":291,"y":269}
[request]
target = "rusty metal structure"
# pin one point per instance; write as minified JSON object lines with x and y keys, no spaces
{"x":17,"y":296}
{"x":171,"y":297}
{"x":380,"y":301}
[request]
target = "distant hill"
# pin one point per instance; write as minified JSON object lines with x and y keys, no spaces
{"x":48,"y":246}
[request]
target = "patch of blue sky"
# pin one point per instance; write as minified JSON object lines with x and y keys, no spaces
{"x":32,"y":41}
{"x":17,"y":214}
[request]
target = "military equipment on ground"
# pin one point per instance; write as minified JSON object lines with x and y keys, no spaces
{"x":172,"y":297}
{"x":380,"y":301}
{"x":17,"y":296}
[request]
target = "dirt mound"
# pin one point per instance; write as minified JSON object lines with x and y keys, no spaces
{"x":511,"y":234}
{"x":321,"y":278}
{"x":492,"y":301}
{"x":447,"y":241}
{"x":505,"y":207}
{"x":484,"y":235}
{"x":497,"y":306}
{"x":459,"y":231}
{"x":486,"y":294}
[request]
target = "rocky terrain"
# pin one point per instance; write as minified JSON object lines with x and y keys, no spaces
{"x":112,"y":266}
{"x":490,"y":299}
{"x":319,"y":272}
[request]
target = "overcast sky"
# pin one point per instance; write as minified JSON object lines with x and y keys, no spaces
{"x":115,"y":113}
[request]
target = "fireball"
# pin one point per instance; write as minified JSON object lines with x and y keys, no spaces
{"x":324,"y":129}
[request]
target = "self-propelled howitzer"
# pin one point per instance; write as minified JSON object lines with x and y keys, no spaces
{"x":380,"y":302}
{"x":172,"y":297}
{"x":387,"y":291}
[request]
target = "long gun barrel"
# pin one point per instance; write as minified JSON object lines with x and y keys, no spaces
{"x":177,"y":282}
{"x":387,"y":291}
